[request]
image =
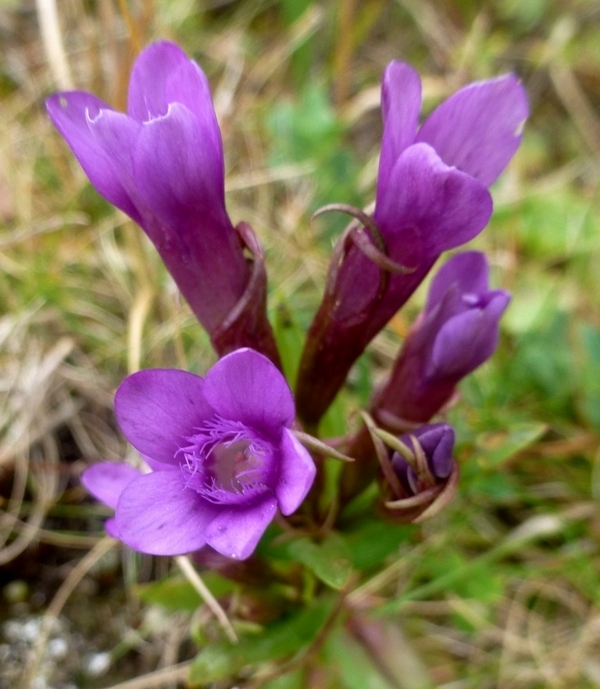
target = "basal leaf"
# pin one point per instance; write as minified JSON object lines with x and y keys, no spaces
{"x":279,"y":640}
{"x":351,"y":662}
{"x":373,"y":541}
{"x":329,"y":560}
{"x":176,"y":593}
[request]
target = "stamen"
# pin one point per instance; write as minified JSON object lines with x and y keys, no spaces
{"x":226,"y":461}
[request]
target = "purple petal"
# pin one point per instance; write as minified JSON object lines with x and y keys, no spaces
{"x":468,"y":271}
{"x":178,"y":175}
{"x":106,"y":480}
{"x":235,"y":532}
{"x":437,"y":440}
{"x":148,"y":96}
{"x":245,"y":386}
{"x":102,"y":141}
{"x":447,"y":207}
{"x":110,"y":526}
{"x":400,"y":106}
{"x":296,"y":474}
{"x":478,"y":129}
{"x":189,"y":86}
{"x":178,"y":171}
{"x":467,"y":340}
{"x":158,"y":408}
{"x":159,"y":466}
{"x":158,"y":515}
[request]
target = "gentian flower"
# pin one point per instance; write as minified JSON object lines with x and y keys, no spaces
{"x":223,"y":457}
{"x":162,"y":164}
{"x":420,"y":480}
{"x":431,"y":197}
{"x":457,"y":331}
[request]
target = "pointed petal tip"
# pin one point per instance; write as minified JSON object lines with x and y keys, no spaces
{"x":400,"y":107}
{"x":478,"y":129}
{"x":397,"y":71}
{"x":73,"y":109}
{"x":161,"y":49}
{"x":149,"y":93}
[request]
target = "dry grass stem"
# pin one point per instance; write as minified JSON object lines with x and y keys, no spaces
{"x":157,"y":679}
{"x":53,"y":44}
{"x":212,"y":603}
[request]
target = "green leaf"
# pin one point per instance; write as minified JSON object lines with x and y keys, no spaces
{"x":289,"y":680}
{"x":290,"y":340}
{"x":333,"y":423}
{"x":350,"y":660}
{"x":176,"y":593}
{"x":499,"y":487}
{"x":498,"y":447}
{"x":570,"y":224}
{"x":329,"y":560}
{"x":535,"y":298}
{"x":303,"y":55}
{"x":223,"y":659}
{"x":588,"y":372}
{"x":454,"y":568}
{"x":373,"y":541}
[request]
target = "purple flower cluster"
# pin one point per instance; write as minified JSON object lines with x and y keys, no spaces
{"x":223,"y":457}
{"x":222,"y":453}
{"x":431,"y":196}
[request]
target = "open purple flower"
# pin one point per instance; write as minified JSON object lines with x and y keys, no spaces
{"x":431,"y":197}
{"x":457,"y":331}
{"x":419,"y":481}
{"x":222,"y":454}
{"x":162,"y":164}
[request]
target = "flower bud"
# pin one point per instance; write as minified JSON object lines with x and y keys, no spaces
{"x":421,"y":476}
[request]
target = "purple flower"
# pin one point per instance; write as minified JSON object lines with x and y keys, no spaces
{"x":162,"y":164}
{"x":422,"y":479}
{"x":222,"y":454}
{"x":477,"y":130}
{"x":457,"y":331}
{"x":431,"y":196}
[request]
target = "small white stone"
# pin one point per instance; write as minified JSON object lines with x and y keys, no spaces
{"x":12,"y":630}
{"x":31,"y":629}
{"x":39,"y":683}
{"x":57,"y":648}
{"x":97,"y":663}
